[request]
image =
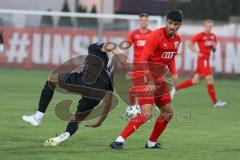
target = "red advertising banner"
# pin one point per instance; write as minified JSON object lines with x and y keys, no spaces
{"x":45,"y":48}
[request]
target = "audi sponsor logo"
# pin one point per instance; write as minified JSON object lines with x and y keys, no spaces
{"x":141,"y":42}
{"x":168,"y":55}
{"x":209,"y":43}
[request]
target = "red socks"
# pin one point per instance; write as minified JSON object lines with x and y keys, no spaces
{"x":185,"y":84}
{"x":140,"y":119}
{"x":210,"y":87}
{"x":133,"y":125}
{"x":159,"y":127}
{"x":211,"y":92}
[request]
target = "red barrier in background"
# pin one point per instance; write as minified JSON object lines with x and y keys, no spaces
{"x":45,"y":48}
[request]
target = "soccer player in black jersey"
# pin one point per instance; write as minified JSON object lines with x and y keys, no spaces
{"x":94,"y":84}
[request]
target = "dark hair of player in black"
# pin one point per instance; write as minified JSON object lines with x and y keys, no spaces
{"x":143,"y":15}
{"x":175,"y":15}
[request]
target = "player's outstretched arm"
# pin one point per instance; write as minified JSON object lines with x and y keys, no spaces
{"x":111,"y":47}
{"x":106,"y":110}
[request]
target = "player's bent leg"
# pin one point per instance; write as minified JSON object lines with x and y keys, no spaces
{"x":133,"y":125}
{"x":164,"y":103}
{"x":210,"y":79}
{"x":45,"y":98}
{"x":212,"y":93}
{"x":54,"y":79}
{"x":85,"y":107}
{"x":189,"y":83}
{"x":196,"y":79}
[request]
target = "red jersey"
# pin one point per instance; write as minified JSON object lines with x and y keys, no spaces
{"x":161,"y":49}
{"x":205,"y":42}
{"x":138,"y":39}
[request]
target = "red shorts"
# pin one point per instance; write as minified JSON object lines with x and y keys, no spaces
{"x":138,"y":89}
{"x":203,"y":67}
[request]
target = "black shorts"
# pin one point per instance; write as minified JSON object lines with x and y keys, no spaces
{"x":74,"y":82}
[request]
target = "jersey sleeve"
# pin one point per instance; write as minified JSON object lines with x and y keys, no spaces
{"x":131,"y":37}
{"x":196,"y":38}
{"x":172,"y":66}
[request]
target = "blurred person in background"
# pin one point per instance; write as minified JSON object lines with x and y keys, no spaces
{"x":207,"y":42}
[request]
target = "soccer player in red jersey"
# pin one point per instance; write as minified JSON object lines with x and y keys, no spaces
{"x":159,"y":52}
{"x":138,"y":38}
{"x":207,"y":42}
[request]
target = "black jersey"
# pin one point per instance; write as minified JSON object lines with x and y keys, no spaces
{"x":96,"y":74}
{"x":96,"y":64}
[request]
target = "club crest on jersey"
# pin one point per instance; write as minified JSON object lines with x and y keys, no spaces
{"x":176,"y":44}
{"x":137,"y":36}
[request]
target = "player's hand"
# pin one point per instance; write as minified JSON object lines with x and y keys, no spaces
{"x":123,"y":60}
{"x":213,"y":47}
{"x":128,"y":60}
{"x":174,"y":79}
{"x":151,"y":87}
{"x":95,"y":125}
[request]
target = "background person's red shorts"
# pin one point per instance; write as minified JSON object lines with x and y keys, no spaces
{"x":203,"y":67}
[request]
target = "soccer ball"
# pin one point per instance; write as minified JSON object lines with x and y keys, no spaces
{"x":132,"y":111}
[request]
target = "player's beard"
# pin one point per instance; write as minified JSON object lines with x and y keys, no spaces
{"x":144,"y":28}
{"x":171,"y":32}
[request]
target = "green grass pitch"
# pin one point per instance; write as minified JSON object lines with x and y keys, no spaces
{"x":198,"y":131}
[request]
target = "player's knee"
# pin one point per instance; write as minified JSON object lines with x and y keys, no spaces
{"x":168,"y":115}
{"x":210,"y":81}
{"x":53,"y":78}
{"x":147,"y":110}
{"x":195,"y":81}
{"x":51,"y":85}
{"x":50,"y":78}
{"x":148,"y":115}
{"x":167,"y":111}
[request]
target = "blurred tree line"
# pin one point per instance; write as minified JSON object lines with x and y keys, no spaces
{"x":48,"y":21}
{"x":202,"y":9}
